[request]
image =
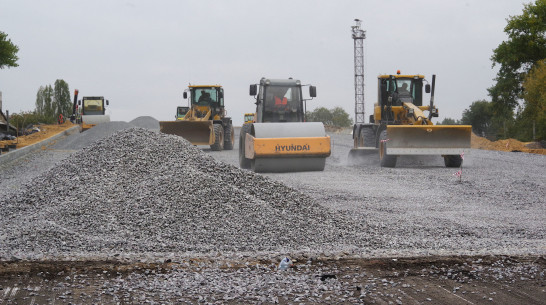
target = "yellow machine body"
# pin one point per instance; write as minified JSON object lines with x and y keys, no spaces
{"x":399,"y":125}
{"x":289,"y":147}
{"x":197,"y":125}
{"x":428,"y":139}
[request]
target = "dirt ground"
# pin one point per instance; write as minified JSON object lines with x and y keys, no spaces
{"x":505,"y":145}
{"x":431,"y":280}
{"x":46,"y":131}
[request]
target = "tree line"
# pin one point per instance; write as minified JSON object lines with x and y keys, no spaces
{"x":52,"y":101}
{"x":517,"y":108}
{"x":337,"y":117}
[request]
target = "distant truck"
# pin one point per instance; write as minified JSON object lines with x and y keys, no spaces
{"x":249,"y":118}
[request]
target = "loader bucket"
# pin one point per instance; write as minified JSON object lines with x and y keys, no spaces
{"x":428,"y":139}
{"x":197,"y":132}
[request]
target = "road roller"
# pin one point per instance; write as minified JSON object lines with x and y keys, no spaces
{"x":399,"y":125}
{"x":89,"y":111}
{"x":279,"y":139}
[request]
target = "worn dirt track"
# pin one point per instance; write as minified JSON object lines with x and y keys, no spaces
{"x":430,"y":280}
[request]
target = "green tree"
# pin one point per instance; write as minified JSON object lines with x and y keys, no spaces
{"x":321,"y":115}
{"x":334,"y":117}
{"x":61,"y":98}
{"x":24,"y":119}
{"x":49,"y":107}
{"x":8,"y":52}
{"x":341,"y":118}
{"x":449,"y":121}
{"x":479,"y":115}
{"x":525,"y":46}
{"x":534,"y":111}
{"x":40,"y":103}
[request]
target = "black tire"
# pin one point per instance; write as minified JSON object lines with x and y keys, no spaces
{"x":229,"y":137}
{"x":386,"y":160}
{"x":218,"y":138}
{"x":453,"y":160}
{"x":243,"y":161}
{"x":356,"y":137}
{"x":367,"y":137}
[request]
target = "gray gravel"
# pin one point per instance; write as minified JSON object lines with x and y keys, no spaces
{"x":139,"y":192}
{"x":139,"y":195}
{"x":421,"y":208}
{"x":143,"y":194}
{"x":15,"y":174}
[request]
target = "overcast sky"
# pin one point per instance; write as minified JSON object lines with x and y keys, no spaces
{"x":142,"y":54}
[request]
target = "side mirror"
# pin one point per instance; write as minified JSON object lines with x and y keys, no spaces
{"x":80,"y":102}
{"x":427,"y":88}
{"x":221,"y":94}
{"x":107,"y":103}
{"x":185,"y":95}
{"x":253,"y":89}
{"x":312,"y":91}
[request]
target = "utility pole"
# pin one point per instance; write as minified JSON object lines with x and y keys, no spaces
{"x":358,"y":37}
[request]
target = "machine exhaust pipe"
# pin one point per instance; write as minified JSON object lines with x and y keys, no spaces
{"x":74,"y":106}
{"x":432,"y":97}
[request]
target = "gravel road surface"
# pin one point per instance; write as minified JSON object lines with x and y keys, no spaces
{"x":146,"y":212}
{"x":421,"y":208}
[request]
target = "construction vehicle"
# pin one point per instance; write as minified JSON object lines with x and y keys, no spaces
{"x":280,"y":140}
{"x":205,"y":122}
{"x":89,"y":111}
{"x":249,"y":118}
{"x":181,"y":112}
{"x":399,"y":125}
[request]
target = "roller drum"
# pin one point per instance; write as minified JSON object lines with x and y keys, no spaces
{"x":95,"y":119}
{"x":288,"y":163}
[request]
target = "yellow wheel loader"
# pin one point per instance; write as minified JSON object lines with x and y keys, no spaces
{"x":399,"y":125}
{"x":205,"y":121}
{"x":280,"y":140}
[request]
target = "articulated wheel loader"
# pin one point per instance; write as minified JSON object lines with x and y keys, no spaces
{"x":205,"y":121}
{"x":279,"y":139}
{"x":399,"y":126}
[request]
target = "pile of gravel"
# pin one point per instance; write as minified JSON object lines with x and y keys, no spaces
{"x":146,"y":122}
{"x":101,"y":131}
{"x":140,"y":193}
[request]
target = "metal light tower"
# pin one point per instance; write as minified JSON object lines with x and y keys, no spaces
{"x":358,"y":37}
